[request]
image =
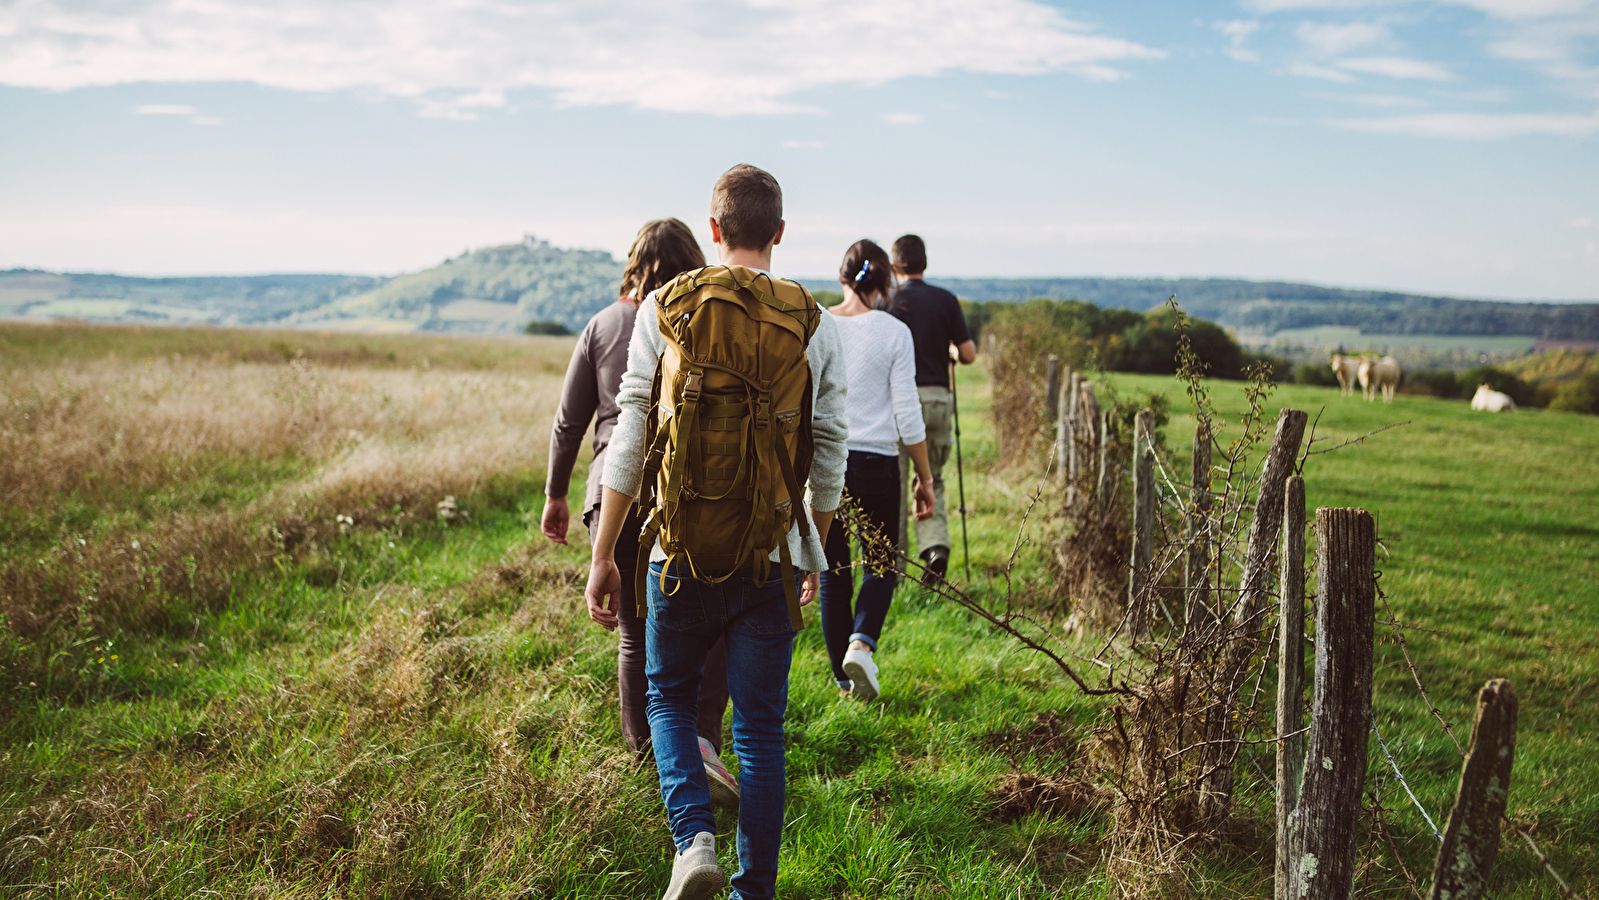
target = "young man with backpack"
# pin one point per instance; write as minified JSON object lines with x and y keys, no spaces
{"x":938,"y":329}
{"x":732,"y":403}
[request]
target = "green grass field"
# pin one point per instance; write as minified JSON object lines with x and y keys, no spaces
{"x":417,"y":708}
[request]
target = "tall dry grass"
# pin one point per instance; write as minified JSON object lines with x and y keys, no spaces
{"x":132,"y":490}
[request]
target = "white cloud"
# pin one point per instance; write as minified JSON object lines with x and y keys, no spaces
{"x":1239,"y":30}
{"x":1306,"y":70}
{"x":1381,"y":101}
{"x":1581,"y":222}
{"x":903,"y":118}
{"x":1334,"y":39}
{"x":456,"y":57}
{"x":165,"y":109}
{"x":1397,"y":67}
{"x":1476,"y":126}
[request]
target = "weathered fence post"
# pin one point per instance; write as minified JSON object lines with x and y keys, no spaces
{"x":1291,"y":669}
{"x":1063,"y":432}
{"x":1088,"y":437}
{"x":1074,"y":461}
{"x":1267,"y":524}
{"x":1322,"y":837}
{"x":1471,"y":839}
{"x":1102,"y":487}
{"x":1139,"y":608}
{"x":1196,"y":582}
{"x":1052,"y":388}
{"x":1217,"y":795}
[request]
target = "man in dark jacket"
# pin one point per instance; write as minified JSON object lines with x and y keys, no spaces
{"x":939,"y":330}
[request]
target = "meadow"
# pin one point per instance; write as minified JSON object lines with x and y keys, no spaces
{"x":279,"y":623}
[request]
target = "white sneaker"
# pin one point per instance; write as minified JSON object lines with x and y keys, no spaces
{"x":695,"y":874}
{"x":724,"y":787}
{"x":862,"y":673}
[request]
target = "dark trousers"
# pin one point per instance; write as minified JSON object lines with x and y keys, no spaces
{"x":872,"y":482}
{"x":630,"y":680}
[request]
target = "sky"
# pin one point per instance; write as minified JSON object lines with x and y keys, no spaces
{"x":1436,"y":146}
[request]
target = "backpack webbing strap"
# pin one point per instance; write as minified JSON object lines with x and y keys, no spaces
{"x":641,"y":573}
{"x":683,"y":422}
{"x":789,"y":481}
{"x":790,"y":586}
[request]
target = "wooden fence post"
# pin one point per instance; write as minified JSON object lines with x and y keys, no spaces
{"x":1074,"y":462}
{"x":1196,"y":583}
{"x":1322,"y":837}
{"x":1290,"y":670}
{"x":1139,"y":608}
{"x":1471,"y":839}
{"x":1063,"y":432}
{"x":1102,"y":486}
{"x":1051,"y":388}
{"x":1267,"y":524}
{"x":1088,"y":438}
{"x":1216,"y":796}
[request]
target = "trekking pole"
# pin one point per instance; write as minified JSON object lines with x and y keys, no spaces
{"x":960,"y":477}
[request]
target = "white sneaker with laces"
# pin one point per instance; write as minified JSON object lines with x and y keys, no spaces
{"x":724,"y":787}
{"x":862,"y":674}
{"x":695,"y":874}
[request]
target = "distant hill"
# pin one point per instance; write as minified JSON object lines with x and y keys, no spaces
{"x":493,"y":290}
{"x":501,"y":289}
{"x":247,"y":300}
{"x":1266,"y":307}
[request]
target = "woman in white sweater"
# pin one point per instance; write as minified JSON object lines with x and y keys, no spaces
{"x":884,"y":412}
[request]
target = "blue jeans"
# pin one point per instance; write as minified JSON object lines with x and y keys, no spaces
{"x":872,"y":481}
{"x":684,"y":622}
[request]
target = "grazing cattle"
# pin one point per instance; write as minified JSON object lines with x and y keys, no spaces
{"x":1345,"y":367}
{"x":1379,"y":374}
{"x":1489,"y":400}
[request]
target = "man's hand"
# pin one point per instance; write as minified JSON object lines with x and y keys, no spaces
{"x":557,"y":518}
{"x":604,"y":592}
{"x":924,"y":500}
{"x":809,"y":588}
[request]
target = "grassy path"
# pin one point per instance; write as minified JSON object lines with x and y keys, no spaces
{"x":419,"y":709}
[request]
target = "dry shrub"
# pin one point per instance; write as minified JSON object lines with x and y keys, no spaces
{"x":1022,"y":794}
{"x":124,"y":438}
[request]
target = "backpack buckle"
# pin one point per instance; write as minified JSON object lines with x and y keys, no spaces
{"x":691,"y":387}
{"x":763,"y":407}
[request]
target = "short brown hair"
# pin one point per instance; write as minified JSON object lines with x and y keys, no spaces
{"x":910,"y":254}
{"x":663,"y":249}
{"x":747,"y":205}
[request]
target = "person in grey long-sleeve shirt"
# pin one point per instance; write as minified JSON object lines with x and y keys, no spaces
{"x":662,"y":248}
{"x":589,"y":392}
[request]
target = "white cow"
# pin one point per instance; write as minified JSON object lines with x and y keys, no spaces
{"x":1489,"y":400}
{"x":1346,"y":368}
{"x":1379,"y":374}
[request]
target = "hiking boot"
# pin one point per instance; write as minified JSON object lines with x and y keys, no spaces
{"x":724,"y":787}
{"x":695,"y":874}
{"x":862,"y":674}
{"x":935,"y":560}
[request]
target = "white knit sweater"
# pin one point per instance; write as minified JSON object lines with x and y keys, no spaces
{"x":884,"y":410}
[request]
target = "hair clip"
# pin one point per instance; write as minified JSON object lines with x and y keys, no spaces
{"x":864,"y":273}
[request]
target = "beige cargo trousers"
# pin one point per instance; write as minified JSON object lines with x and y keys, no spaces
{"x":936,"y":411}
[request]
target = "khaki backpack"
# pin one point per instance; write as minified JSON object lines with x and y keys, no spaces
{"x":731,"y":450}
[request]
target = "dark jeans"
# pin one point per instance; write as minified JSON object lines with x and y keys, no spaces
{"x":872,"y":482}
{"x":685,"y":620}
{"x":630,"y":680}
